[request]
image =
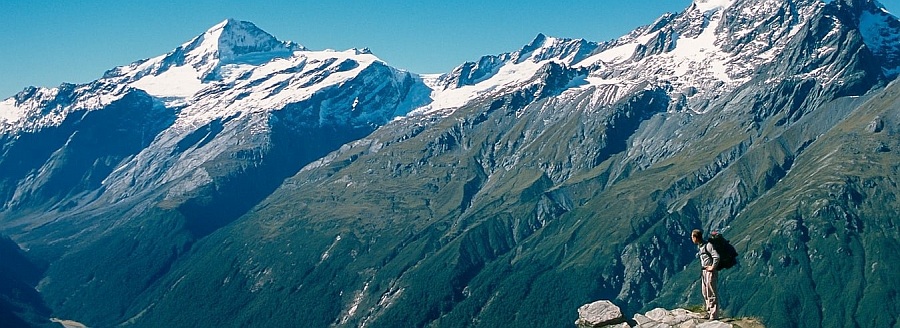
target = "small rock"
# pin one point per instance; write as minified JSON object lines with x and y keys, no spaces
{"x":682,"y":315}
{"x":599,"y":314}
{"x":659,"y":314}
{"x":642,"y":319}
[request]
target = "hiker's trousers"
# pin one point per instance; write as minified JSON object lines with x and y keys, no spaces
{"x":710,"y":292}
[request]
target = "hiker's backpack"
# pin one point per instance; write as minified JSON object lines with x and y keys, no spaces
{"x":727,"y":253}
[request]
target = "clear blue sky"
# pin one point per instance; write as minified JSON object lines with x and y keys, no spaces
{"x":45,"y":43}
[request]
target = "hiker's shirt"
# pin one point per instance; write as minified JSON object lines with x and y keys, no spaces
{"x":708,"y":255}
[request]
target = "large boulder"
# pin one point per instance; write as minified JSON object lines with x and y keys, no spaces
{"x":876,"y":125}
{"x":599,"y":314}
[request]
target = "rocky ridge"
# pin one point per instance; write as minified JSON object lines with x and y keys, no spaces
{"x":604,"y":313}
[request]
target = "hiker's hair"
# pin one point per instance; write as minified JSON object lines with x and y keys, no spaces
{"x":697,"y":233}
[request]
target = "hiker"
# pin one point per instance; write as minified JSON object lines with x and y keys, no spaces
{"x":709,"y":259}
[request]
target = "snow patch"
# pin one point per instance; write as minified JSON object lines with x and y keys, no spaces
{"x":616,"y":54}
{"x":510,"y":74}
{"x":273,"y":85}
{"x":619,"y":53}
{"x":694,"y":53}
{"x":9,"y":112}
{"x":178,"y":82}
{"x":711,"y":5}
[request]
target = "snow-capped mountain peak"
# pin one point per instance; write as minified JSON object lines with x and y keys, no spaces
{"x":231,"y":40}
{"x":232,"y":67}
{"x":186,"y":70}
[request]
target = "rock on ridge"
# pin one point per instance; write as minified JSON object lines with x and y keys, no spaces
{"x":599,"y":314}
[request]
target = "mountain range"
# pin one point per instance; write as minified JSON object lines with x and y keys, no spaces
{"x":240,"y":180}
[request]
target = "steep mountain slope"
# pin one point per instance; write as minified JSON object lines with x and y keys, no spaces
{"x":135,"y":167}
{"x":828,"y":226}
{"x":252,"y":182}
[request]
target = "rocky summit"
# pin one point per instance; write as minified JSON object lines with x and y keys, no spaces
{"x":240,"y":180}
